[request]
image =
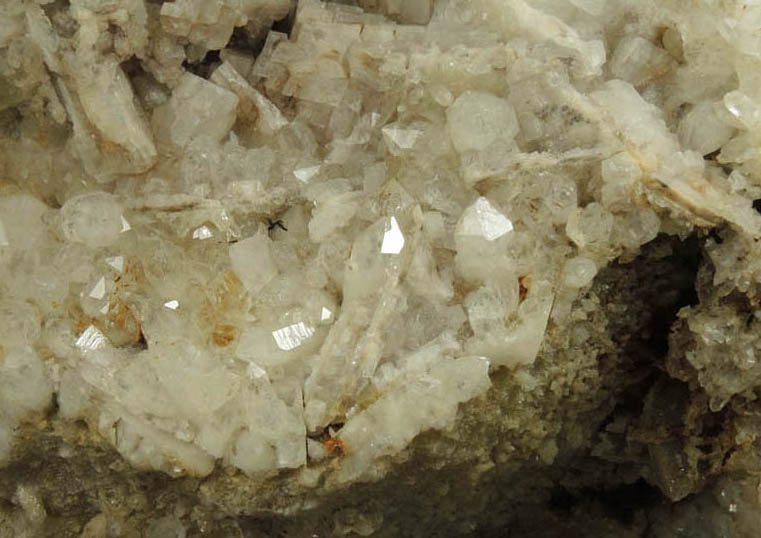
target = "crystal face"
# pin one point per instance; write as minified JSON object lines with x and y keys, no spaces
{"x":91,"y":339}
{"x":218,"y":241}
{"x":484,"y":220}
{"x":393,"y":239}
{"x":292,"y":336}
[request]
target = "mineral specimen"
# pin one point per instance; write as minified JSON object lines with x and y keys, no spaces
{"x":393,"y":268}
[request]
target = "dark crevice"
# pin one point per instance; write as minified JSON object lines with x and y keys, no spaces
{"x":621,"y":502}
{"x":624,"y":501}
{"x":284,"y":25}
{"x":244,"y":41}
{"x":204,"y":67}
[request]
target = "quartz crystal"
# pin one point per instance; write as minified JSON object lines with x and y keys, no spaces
{"x":273,"y":260}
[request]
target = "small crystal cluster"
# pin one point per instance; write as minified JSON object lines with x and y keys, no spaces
{"x":342,"y":235}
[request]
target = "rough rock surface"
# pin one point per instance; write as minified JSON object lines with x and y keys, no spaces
{"x":380,"y":268}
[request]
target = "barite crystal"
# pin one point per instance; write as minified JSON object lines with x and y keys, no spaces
{"x":394,"y":237}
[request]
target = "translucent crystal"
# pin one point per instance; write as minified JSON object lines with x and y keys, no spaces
{"x":620,"y":174}
{"x":332,"y":213}
{"x":252,"y":262}
{"x":518,"y":343}
{"x":197,"y":107}
{"x":590,"y":226}
{"x":400,"y":138}
{"x":305,"y":174}
{"x":579,"y":272}
{"x":427,"y":405}
{"x":252,"y":104}
{"x":641,"y":226}
{"x":482,"y":219}
{"x":108,"y":102}
{"x":94,"y":219}
{"x":116,"y":262}
{"x":489,"y":307}
{"x":743,"y":109}
{"x":637,"y":60}
{"x":477,"y":119}
{"x":703,"y":129}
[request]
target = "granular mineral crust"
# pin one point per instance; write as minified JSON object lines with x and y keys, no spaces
{"x":380,"y":268}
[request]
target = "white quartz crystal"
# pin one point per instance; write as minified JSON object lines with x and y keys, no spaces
{"x":214,"y":260}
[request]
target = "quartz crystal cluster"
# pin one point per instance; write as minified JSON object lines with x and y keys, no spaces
{"x":228,"y":246}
